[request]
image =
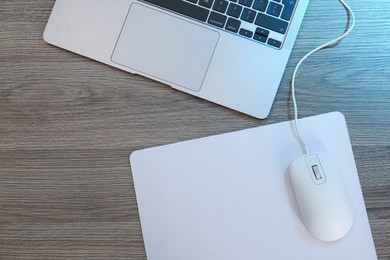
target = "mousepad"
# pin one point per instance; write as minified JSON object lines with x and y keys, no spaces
{"x":229,"y":196}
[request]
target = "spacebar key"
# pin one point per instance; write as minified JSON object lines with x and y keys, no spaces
{"x":182,"y":7}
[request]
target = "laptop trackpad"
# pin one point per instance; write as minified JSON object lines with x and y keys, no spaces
{"x":165,"y":47}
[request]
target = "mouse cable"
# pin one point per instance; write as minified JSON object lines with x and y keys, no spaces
{"x":351,"y":16}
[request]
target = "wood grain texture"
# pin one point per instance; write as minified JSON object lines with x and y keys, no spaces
{"x":68,"y":125}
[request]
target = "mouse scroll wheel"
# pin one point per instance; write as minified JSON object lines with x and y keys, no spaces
{"x":317,"y":172}
{"x":318,"y":175}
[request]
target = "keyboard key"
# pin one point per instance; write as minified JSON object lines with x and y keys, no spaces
{"x":260,"y":38}
{"x":192,"y":1}
{"x":246,"y":33}
{"x":271,"y":23}
{"x":260,"y":5}
{"x":217,"y":19}
{"x":248,"y":15}
{"x":220,"y":6}
{"x":206,"y":3}
{"x":234,"y":10}
{"x":262,"y":31}
{"x":246,"y":2}
{"x":274,"y":43}
{"x":182,"y":7}
{"x":289,"y":6}
{"x":233,"y":25}
{"x":261,"y":35}
{"x":274,"y":9}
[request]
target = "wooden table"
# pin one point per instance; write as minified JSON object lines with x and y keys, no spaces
{"x":68,"y":125}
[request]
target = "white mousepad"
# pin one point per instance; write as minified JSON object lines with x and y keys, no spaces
{"x":229,"y":196}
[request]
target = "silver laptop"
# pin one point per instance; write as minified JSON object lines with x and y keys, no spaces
{"x":232,"y":53}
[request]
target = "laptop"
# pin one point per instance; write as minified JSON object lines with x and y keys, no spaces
{"x":232,"y":53}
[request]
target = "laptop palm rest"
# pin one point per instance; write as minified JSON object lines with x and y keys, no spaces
{"x":148,"y":44}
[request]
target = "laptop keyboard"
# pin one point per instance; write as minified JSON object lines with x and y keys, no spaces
{"x":262,"y":21}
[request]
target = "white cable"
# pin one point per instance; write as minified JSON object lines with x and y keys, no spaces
{"x":328,"y":44}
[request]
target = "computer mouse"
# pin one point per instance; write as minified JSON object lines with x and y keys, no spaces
{"x":321,"y":196}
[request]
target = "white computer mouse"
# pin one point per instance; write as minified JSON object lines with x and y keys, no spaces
{"x":321,"y":196}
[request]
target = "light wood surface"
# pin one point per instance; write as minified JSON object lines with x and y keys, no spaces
{"x":68,"y":125}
